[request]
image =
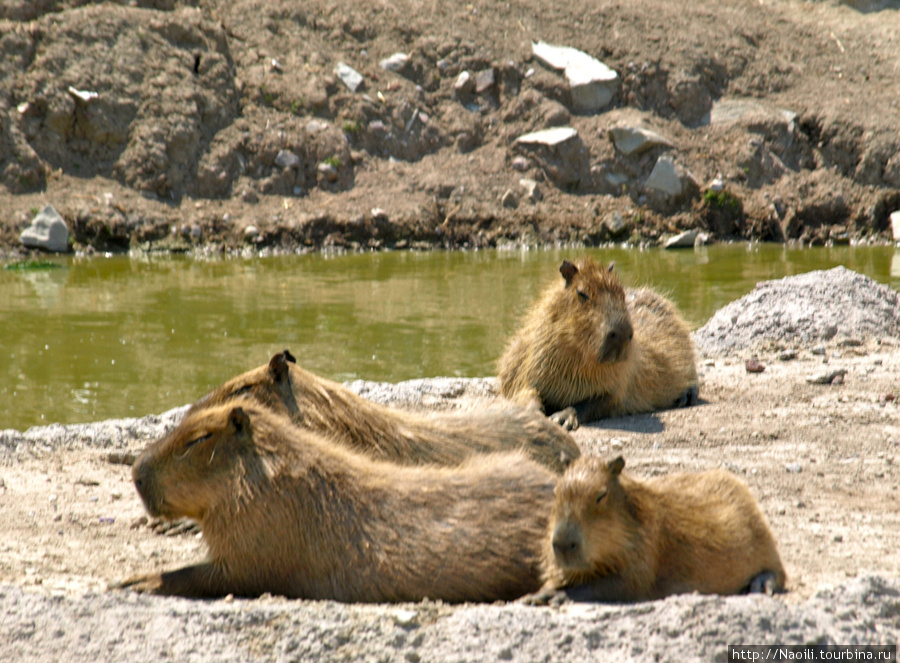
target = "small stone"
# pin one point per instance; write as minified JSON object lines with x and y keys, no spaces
{"x":396,"y":63}
{"x":717,"y":185}
{"x":684,"y":240}
{"x":837,"y":538}
{"x":549,"y":137}
{"x":83,"y":95}
{"x":196,"y":232}
{"x":249,"y":196}
{"x":787,"y":355}
{"x":464,"y":83}
{"x":616,"y":444}
{"x":379,"y":214}
{"x":508,"y":200}
{"x":635,"y":140}
{"x":328,"y":171}
{"x":829,"y":377}
{"x":615,"y":224}
{"x":276,"y":66}
{"x":521,"y":164}
{"x":754,"y":366}
{"x":405,"y":617}
{"x":286,"y":159}
{"x":532,"y":190}
{"x":351,"y":78}
{"x":818,"y":350}
{"x":47,"y":231}
{"x":251,"y":232}
{"x":793,"y":468}
{"x":484,"y":80}
{"x":665,"y":179}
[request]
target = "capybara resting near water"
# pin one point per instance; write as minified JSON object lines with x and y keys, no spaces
{"x":591,"y":349}
{"x":616,"y":538}
{"x":286,"y":512}
{"x":408,"y":438}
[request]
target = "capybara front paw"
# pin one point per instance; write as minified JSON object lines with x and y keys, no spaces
{"x":691,"y":396}
{"x":544,"y":597}
{"x":764,"y":583}
{"x":144,"y":584}
{"x":567,"y":418}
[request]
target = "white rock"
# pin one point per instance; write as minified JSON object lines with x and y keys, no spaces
{"x":895,"y":225}
{"x":717,"y":185}
{"x":549,"y":137}
{"x":287,"y":159}
{"x":251,"y":232}
{"x":665,"y":178}
{"x":47,"y":231}
{"x":394,"y":63}
{"x":591,"y":82}
{"x":682,"y":241}
{"x":84,"y":95}
{"x":464,"y":82}
{"x":634,"y":140}
{"x":532,"y":190}
{"x":348,"y":75}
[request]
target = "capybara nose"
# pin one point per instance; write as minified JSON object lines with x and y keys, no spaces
{"x":566,"y":542}
{"x":140,"y":474}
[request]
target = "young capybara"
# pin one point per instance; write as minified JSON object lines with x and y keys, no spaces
{"x":286,"y":512}
{"x":328,"y":408}
{"x":616,"y":538}
{"x":590,"y":349}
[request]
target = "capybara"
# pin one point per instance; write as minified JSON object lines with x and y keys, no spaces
{"x":409,"y":438}
{"x":284,"y":511}
{"x":590,"y":349}
{"x":617,"y":538}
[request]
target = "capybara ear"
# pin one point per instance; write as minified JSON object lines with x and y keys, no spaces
{"x":238,"y":420}
{"x":568,"y":271}
{"x":616,"y":465}
{"x":289,"y":357}
{"x":278,"y":366}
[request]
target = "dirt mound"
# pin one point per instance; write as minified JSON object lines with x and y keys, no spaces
{"x":837,"y":306}
{"x":166,"y":124}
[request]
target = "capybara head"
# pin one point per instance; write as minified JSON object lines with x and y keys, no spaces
{"x":592,"y":522}
{"x":210,"y":456}
{"x":269,"y":384}
{"x":594,"y":311}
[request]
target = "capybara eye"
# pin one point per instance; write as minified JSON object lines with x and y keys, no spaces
{"x":202,"y":438}
{"x":582,"y":296}
{"x":601,"y":496}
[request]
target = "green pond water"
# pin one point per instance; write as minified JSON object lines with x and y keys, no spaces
{"x":102,"y":338}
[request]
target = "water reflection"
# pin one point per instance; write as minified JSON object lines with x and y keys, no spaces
{"x":118,"y":337}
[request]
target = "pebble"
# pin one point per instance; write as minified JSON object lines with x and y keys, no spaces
{"x":484,"y":80}
{"x":287,"y":159}
{"x":754,"y":366}
{"x":395,"y":63}
{"x":351,"y":78}
{"x":509,"y":200}
{"x":793,"y":468}
{"x":830,"y":377}
{"x":327,"y":171}
{"x":787,"y":355}
{"x":532,"y":190}
{"x":464,"y":82}
{"x":520,"y":163}
{"x":405,"y":617}
{"x":818,"y":350}
{"x":251,"y":232}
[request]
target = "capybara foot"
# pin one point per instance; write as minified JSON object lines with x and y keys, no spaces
{"x":549,"y":596}
{"x":567,"y":418}
{"x":173,"y":527}
{"x":764,"y":583}
{"x":145,"y":584}
{"x":691,"y":396}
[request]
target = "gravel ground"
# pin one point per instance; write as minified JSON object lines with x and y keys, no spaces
{"x":819,"y":457}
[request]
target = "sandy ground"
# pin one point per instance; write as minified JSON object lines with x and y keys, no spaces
{"x":820,"y":459}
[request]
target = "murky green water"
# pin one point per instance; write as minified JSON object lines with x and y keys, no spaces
{"x":117,"y":337}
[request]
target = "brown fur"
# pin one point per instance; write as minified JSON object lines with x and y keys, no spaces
{"x":613,"y":537}
{"x":286,"y":512}
{"x":335,"y":412}
{"x":592,"y":346}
